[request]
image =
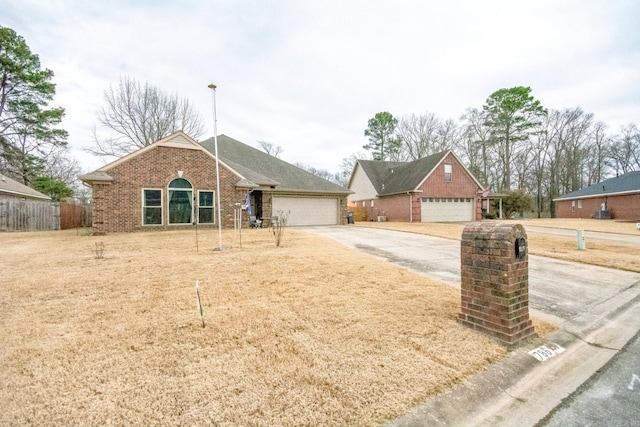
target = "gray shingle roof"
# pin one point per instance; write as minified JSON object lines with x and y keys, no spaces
{"x":398,"y":177}
{"x":627,"y":183}
{"x":94,"y":176}
{"x":263,"y":169}
{"x":10,"y":186}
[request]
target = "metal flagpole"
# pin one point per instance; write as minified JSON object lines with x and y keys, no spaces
{"x":215,"y":143}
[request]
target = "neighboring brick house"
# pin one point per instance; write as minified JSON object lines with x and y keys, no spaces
{"x":437,"y":188}
{"x":616,"y":198}
{"x":171,"y":184}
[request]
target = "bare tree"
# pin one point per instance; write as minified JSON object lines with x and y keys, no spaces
{"x":447,"y":136}
{"x":339,"y":178}
{"x":625,"y":150}
{"x":475,"y":145}
{"x":137,"y":115}
{"x":62,"y":167}
{"x":348,"y":163}
{"x":270,"y":149}
{"x":597,"y":154}
{"x":419,"y":134}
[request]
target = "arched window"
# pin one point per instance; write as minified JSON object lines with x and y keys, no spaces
{"x":180,"y":201}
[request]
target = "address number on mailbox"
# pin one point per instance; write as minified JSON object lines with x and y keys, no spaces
{"x":521,"y":247}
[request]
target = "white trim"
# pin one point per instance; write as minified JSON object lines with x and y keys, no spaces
{"x":593,"y":196}
{"x":25,"y":195}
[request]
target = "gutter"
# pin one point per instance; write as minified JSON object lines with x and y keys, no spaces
{"x":591,"y":196}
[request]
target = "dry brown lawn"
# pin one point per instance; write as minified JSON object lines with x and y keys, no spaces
{"x":310,"y":333}
{"x":599,"y":252}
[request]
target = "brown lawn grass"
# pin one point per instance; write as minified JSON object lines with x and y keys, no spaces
{"x":310,"y":333}
{"x":599,"y":252}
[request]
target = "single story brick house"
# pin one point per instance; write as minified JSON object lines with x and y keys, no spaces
{"x":172,"y":183}
{"x":616,"y":198}
{"x":437,"y":188}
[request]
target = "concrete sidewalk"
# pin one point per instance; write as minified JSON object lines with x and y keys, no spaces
{"x":596,"y":309}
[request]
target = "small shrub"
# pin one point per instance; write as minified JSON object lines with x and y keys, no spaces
{"x":98,"y":250}
{"x":278,"y":224}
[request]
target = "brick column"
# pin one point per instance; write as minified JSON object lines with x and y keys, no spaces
{"x":495,"y":282}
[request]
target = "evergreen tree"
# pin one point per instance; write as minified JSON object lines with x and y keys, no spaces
{"x":27,"y":127}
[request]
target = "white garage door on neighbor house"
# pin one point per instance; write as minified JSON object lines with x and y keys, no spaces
{"x":307,"y":210}
{"x":442,"y":209}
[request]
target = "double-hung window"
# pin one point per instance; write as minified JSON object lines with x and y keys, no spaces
{"x":151,"y":206}
{"x":447,"y":172}
{"x":205,"y":207}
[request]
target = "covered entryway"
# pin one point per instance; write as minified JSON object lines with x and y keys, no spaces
{"x":307,"y":210}
{"x":443,"y":209}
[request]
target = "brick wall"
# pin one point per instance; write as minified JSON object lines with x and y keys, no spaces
{"x":401,"y":208}
{"x":494,"y":283}
{"x":461,"y":184}
{"x":118,"y":205}
{"x":624,"y":207}
{"x":395,"y":208}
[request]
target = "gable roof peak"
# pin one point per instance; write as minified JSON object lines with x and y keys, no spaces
{"x":389,"y":177}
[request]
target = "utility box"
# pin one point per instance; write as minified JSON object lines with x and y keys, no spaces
{"x":582,"y":245}
{"x":495,"y":281}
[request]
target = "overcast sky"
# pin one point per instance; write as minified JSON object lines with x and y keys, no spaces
{"x":308,"y":75}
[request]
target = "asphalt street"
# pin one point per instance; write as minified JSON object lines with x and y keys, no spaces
{"x":611,"y":397}
{"x":596,"y":309}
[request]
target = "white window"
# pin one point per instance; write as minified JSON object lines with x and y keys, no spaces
{"x":205,"y":207}
{"x":371,"y":203}
{"x":447,"y":173}
{"x":573,"y":205}
{"x":151,"y":206}
{"x":180,"y":201}
{"x":579,"y":204}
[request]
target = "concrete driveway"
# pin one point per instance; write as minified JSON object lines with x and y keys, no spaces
{"x":558,"y":290}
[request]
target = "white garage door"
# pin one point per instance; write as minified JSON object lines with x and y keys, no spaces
{"x":307,"y":210}
{"x":441,"y":209}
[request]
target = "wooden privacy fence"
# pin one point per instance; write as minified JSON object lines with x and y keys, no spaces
{"x":18,"y":214}
{"x":359,"y":212}
{"x":74,"y":216}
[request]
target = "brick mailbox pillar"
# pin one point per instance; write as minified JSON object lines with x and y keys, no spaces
{"x":495,"y":281}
